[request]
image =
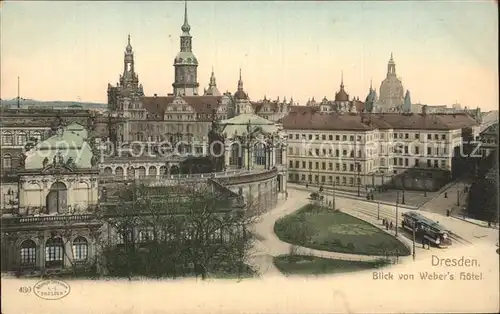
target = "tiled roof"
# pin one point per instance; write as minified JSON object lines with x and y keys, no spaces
{"x":200,"y":104}
{"x":306,"y":118}
{"x":458,"y":120}
{"x":325,"y":121}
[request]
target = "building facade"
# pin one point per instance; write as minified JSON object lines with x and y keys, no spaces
{"x":413,"y":151}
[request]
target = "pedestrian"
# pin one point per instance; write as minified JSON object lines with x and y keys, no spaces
{"x":383,"y":221}
{"x":391,"y":226}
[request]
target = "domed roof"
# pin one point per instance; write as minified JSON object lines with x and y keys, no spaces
{"x":342,"y":95}
{"x":185,"y":57}
{"x":240,"y":94}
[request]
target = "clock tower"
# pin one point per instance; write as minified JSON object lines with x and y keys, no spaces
{"x":186,"y":64}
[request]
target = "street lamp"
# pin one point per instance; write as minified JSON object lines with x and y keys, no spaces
{"x":413,"y":253}
{"x":358,"y":178}
{"x":397,"y":212}
{"x":403,"y":196}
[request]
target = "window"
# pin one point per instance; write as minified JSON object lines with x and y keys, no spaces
{"x":304,"y":165}
{"x":317,"y":136}
{"x":436,"y":165}
{"x":406,"y":149}
{"x":344,"y":167}
{"x":297,"y":136}
{"x":317,"y":165}
{"x":443,"y":136}
{"x":337,"y":166}
{"x":351,"y":138}
{"x":297,"y":164}
{"x":407,"y":135}
{"x":406,"y":162}
{"x":310,"y":136}
{"x":429,"y":164}
{"x":80,"y":249}
{"x":417,"y":162}
{"x":443,"y":163}
{"x":429,"y":150}
{"x":21,"y":138}
{"x":429,"y":136}
{"x":351,"y":181}
{"x":417,"y":136}
{"x":290,"y":164}
{"x":54,"y":252}
{"x":417,"y":150}
{"x":323,"y":165}
{"x":400,"y":161}
{"x":7,"y":161}
{"x":330,"y":137}
{"x":337,"y":137}
{"x":56,"y":200}
{"x":279,"y":156}
{"x":323,"y":179}
{"x":310,"y":165}
{"x":330,"y":166}
{"x":323,"y":137}
{"x":28,"y":253}
{"x":260,"y":154}
{"x":337,"y":153}
{"x":344,"y":138}
{"x":436,"y":136}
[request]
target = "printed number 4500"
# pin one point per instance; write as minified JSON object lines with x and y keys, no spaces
{"x":25,"y":289}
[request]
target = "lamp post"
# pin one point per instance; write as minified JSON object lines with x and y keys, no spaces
{"x":378,"y":210}
{"x":403,"y":195}
{"x":458,"y":194}
{"x":413,"y":253}
{"x":333,"y":189}
{"x":358,"y":178}
{"x":397,"y":212}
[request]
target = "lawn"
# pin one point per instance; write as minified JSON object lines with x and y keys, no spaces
{"x":311,"y":265}
{"x":328,"y":230}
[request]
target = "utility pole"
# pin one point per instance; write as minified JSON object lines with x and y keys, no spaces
{"x":378,"y":210}
{"x":333,"y":185}
{"x":397,"y":212}
{"x":413,"y":241}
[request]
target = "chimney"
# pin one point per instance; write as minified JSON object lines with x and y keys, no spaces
{"x":424,"y":110}
{"x":156,"y":95}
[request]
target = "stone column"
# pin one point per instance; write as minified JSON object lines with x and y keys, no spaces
{"x":68,"y":253}
{"x":245,"y":156}
{"x":227,"y":154}
{"x":40,"y":262}
{"x":273,"y":157}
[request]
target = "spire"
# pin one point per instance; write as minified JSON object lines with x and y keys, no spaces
{"x":342,"y":79}
{"x":240,"y":82}
{"x":391,"y":66}
{"x":129,"y":46}
{"x":212,"y":79}
{"x":185,"y":27}
{"x":371,"y":85}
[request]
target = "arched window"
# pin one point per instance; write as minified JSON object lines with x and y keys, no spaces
{"x":260,"y":154}
{"x":7,"y":161}
{"x":234,"y":159}
{"x":54,"y":252}
{"x":80,"y":249}
{"x":37,"y":135}
{"x":279,"y":156}
{"x":57,"y":198}
{"x":28,"y":253}
{"x":21,"y":138}
{"x":8,"y":139}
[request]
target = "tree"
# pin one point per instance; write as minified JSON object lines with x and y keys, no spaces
{"x":180,"y":230}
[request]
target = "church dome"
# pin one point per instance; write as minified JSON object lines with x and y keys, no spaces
{"x":240,"y":94}
{"x":341,"y":95}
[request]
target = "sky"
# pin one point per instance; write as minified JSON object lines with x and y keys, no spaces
{"x":445,"y":51}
